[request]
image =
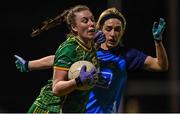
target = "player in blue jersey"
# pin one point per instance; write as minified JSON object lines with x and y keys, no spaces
{"x":116,"y":61}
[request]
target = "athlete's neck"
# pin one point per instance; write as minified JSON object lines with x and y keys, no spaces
{"x":86,"y":43}
{"x":104,"y":46}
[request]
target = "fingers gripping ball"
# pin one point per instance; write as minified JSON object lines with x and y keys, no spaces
{"x":86,"y":72}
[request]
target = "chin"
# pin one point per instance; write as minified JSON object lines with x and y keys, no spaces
{"x":111,"y":45}
{"x":91,"y":37}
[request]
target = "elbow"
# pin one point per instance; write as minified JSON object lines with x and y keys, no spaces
{"x":165,"y":68}
{"x":54,"y":91}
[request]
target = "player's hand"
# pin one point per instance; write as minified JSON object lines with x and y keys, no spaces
{"x":86,"y":77}
{"x":158,"y":29}
{"x":21,"y":64}
{"x":99,"y":37}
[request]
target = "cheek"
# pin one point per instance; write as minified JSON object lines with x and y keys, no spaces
{"x":106,"y":35}
{"x":119,"y":39}
{"x":119,"y":35}
{"x":82,"y":32}
{"x":82,"y":27}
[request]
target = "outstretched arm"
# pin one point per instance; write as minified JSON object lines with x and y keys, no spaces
{"x":47,"y":62}
{"x":25,"y":66}
{"x":160,"y":62}
{"x":43,"y":63}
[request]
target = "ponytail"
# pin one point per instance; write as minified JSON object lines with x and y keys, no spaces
{"x":50,"y":23}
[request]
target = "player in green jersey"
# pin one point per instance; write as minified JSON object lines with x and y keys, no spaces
{"x":60,"y":94}
{"x":78,"y":46}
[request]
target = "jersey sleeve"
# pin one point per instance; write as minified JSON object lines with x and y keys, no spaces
{"x":64,"y":57}
{"x":135,"y":59}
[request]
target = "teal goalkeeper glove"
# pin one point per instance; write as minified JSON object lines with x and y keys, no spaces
{"x":158,"y":29}
{"x":21,"y":64}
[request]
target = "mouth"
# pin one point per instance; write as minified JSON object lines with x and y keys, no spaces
{"x":112,"y":41}
{"x":91,"y":31}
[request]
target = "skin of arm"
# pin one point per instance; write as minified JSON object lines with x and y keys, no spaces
{"x":47,"y":62}
{"x":61,"y":85}
{"x":160,"y":63}
{"x":43,"y":63}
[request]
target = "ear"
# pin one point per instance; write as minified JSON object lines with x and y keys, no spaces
{"x":74,"y":28}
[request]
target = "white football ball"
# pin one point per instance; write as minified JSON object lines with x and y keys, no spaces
{"x":75,"y":70}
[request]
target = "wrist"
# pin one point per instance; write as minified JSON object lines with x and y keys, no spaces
{"x":78,"y":82}
{"x":26,"y":66}
{"x":157,"y":41}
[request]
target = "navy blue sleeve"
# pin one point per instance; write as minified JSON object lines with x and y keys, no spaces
{"x":135,"y":59}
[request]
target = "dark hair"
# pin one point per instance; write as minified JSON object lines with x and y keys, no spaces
{"x":68,"y":17}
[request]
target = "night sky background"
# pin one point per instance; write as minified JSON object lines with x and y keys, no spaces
{"x":19,"y":90}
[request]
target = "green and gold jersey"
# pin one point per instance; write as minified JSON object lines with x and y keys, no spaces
{"x":69,"y":52}
{"x":46,"y":100}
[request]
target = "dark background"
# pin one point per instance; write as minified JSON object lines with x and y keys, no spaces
{"x":151,"y":91}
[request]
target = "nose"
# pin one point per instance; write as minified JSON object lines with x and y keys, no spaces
{"x":91,"y":23}
{"x":112,"y":33}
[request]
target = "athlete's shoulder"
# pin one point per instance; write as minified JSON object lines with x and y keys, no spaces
{"x":69,"y":44}
{"x":128,"y":50}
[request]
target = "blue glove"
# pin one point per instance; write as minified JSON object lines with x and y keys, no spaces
{"x":99,"y":37}
{"x":21,"y":64}
{"x":158,"y":29}
{"x":85,"y":77}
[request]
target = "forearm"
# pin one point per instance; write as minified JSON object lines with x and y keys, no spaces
{"x":160,"y":62}
{"x":161,"y":56}
{"x":64,"y":87}
{"x":43,"y":63}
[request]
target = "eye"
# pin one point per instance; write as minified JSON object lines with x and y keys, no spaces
{"x":92,"y":19}
{"x":117,"y":29}
{"x":84,"y":20}
{"x":108,"y":28}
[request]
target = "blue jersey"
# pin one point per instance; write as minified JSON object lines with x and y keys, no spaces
{"x":106,"y":95}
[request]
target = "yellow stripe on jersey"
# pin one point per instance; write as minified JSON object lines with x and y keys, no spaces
{"x":60,"y":68}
